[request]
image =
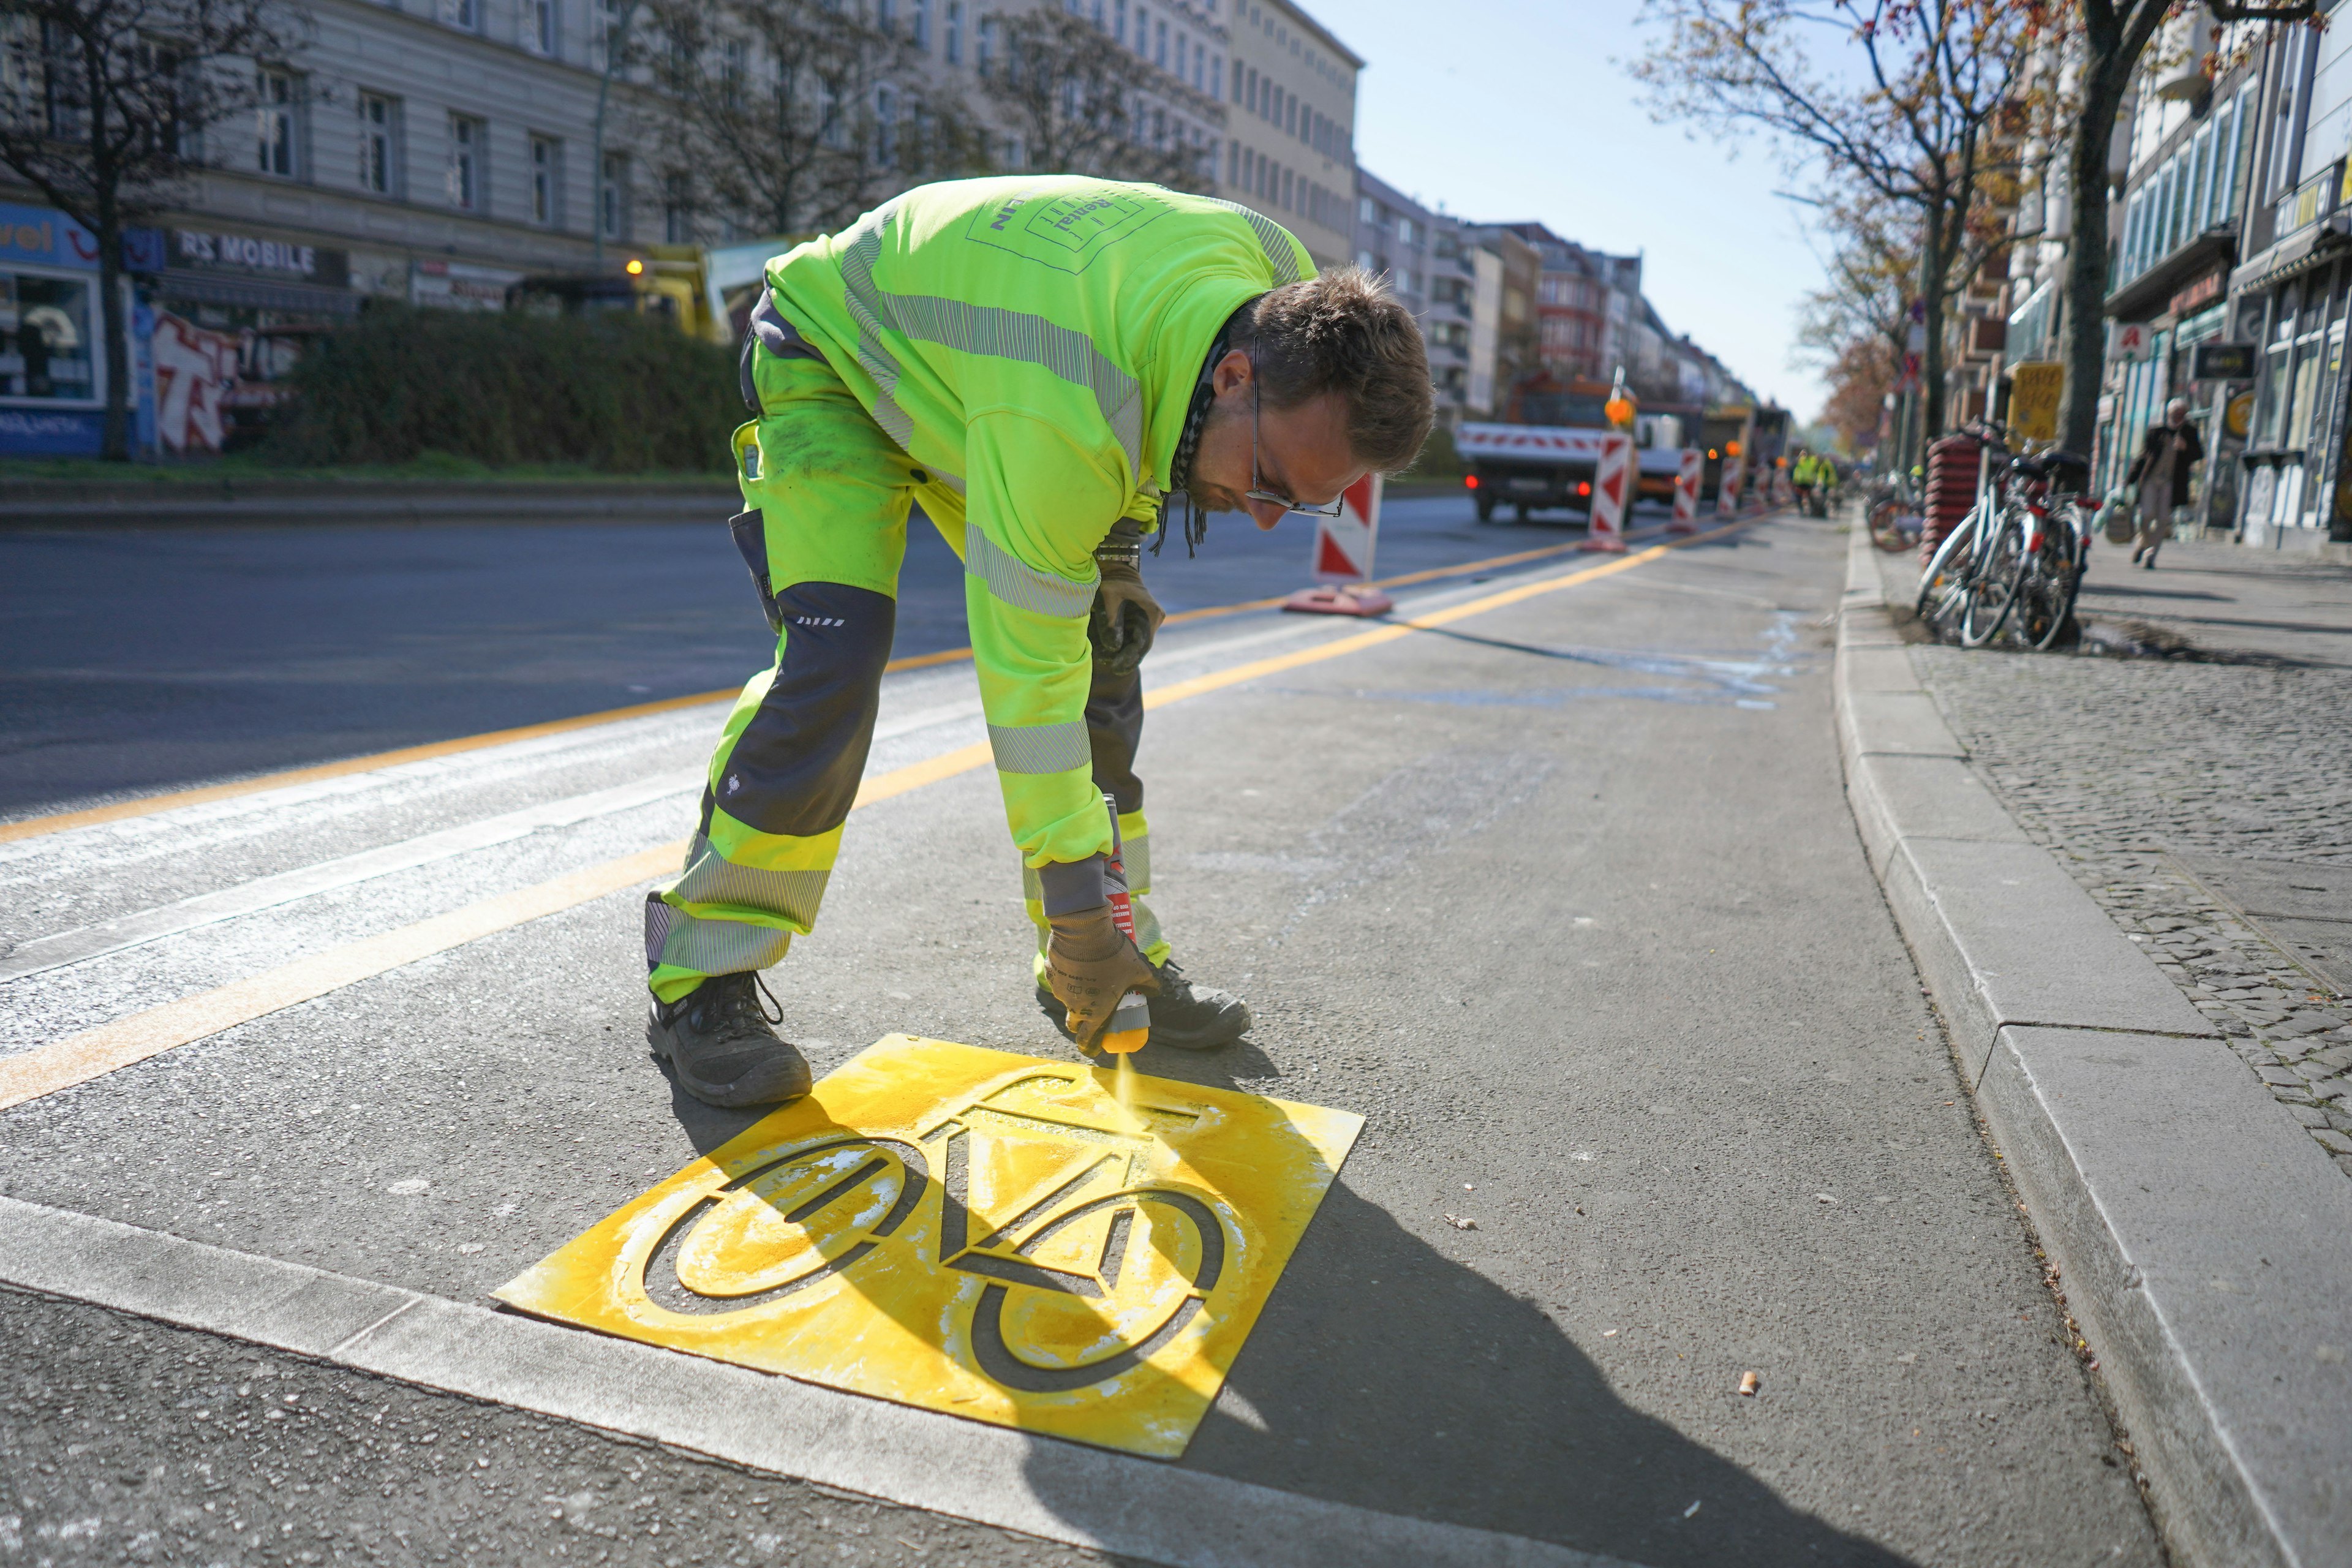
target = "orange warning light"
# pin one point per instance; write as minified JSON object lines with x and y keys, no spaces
{"x":636,"y":267}
{"x":1732,"y":447}
{"x":1619,"y":410}
{"x":1712,"y":454}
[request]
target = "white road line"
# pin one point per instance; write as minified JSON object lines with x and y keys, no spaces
{"x":1038,"y":1486}
{"x":268,"y":892}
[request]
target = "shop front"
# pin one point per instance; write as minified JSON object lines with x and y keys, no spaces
{"x":2289,"y":304}
{"x":233,"y":312}
{"x":52,"y":347}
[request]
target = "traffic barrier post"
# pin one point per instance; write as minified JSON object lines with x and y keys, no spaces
{"x":1343,"y":558}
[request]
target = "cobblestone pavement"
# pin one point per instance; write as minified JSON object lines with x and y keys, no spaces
{"x":273,"y":1460}
{"x":2118,"y":765}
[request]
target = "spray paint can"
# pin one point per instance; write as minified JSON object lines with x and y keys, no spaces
{"x":1130,"y":1023}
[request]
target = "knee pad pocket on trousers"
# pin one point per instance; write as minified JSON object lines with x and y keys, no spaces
{"x":796,"y":766}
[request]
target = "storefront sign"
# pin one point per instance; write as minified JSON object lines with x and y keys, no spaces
{"x":250,"y":255}
{"x":2130,"y":341}
{"x":2203,"y":291}
{"x":46,"y":237}
{"x":2221,"y":361}
{"x":460,"y":286}
{"x":2033,"y":394}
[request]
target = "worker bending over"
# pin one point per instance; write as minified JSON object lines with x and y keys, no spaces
{"x":1042,"y":363}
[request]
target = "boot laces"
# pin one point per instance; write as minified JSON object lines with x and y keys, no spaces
{"x":738,"y":1001}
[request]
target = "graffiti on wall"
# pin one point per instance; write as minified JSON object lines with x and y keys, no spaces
{"x":195,"y":370}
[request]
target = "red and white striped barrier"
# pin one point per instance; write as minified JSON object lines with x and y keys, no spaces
{"x":1612,"y":486}
{"x":1685,"y":519}
{"x":1343,"y":558}
{"x":1726,"y":489}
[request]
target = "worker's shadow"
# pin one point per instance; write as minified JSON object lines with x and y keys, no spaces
{"x":1389,"y":1377}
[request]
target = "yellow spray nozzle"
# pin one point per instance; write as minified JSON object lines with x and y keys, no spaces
{"x":1126,"y":1042}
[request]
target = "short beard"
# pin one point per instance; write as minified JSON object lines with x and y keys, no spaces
{"x":1209,"y":496}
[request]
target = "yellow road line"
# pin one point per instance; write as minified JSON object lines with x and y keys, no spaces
{"x":78,"y":1059}
{"x":147,"y":806}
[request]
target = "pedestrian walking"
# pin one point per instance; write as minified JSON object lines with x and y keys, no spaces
{"x":1041,"y":364}
{"x":2161,"y":472}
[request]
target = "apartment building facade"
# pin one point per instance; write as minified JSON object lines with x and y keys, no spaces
{"x":1291,"y":130}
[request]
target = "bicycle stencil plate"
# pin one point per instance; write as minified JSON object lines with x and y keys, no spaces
{"x":975,"y":1233}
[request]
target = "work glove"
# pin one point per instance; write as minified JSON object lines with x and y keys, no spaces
{"x":1126,"y":616}
{"x":1089,"y":965}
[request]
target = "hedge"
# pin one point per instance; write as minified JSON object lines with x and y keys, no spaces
{"x":616,"y":393}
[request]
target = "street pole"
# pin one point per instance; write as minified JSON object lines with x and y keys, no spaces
{"x":616,"y":43}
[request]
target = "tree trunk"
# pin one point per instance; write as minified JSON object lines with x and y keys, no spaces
{"x":2083,"y":332}
{"x":116,"y":448}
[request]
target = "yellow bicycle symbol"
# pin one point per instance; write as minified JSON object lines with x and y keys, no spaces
{"x":1097,"y":1268}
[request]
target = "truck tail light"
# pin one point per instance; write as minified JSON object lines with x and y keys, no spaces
{"x":1470,"y":481}
{"x":1584,"y":486}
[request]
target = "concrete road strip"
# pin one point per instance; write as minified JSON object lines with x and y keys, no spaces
{"x":269,"y":892}
{"x":78,"y":1059}
{"x":1038,"y":1486}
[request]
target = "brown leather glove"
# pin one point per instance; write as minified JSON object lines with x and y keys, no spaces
{"x":1089,"y":965}
{"x":1126,"y":616}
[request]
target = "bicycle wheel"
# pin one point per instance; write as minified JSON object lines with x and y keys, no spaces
{"x":2062,"y":571}
{"x":1885,"y":530}
{"x":1994,"y":592}
{"x":1947,"y":576}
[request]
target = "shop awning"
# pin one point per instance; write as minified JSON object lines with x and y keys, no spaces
{"x":187,"y":286}
{"x":2297,"y":253}
{"x":2148,"y":293}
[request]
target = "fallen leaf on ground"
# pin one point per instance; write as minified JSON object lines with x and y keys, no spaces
{"x":1461,"y":1224}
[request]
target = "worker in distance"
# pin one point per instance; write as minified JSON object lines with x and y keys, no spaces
{"x":1043,"y":364}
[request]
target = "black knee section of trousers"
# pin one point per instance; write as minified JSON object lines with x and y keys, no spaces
{"x":1114,"y":729}
{"x":796,"y":766}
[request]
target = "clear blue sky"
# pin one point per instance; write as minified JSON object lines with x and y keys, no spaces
{"x":1512,"y":109}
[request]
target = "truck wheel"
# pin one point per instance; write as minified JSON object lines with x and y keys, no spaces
{"x":1486,"y":509}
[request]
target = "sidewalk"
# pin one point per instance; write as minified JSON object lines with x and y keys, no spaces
{"x":2195,"y":798}
{"x":2018,"y":810}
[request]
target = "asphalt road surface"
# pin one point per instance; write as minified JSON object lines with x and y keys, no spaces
{"x":139,"y":660}
{"x":1561,"y":895}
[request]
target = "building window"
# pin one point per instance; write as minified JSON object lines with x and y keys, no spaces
{"x":923,"y":25}
{"x":380,"y":162}
{"x":982,"y":45}
{"x":677,"y":210}
{"x":278,"y":123}
{"x":734,"y":64}
{"x":463,"y":15}
{"x":546,"y":181}
{"x":538,"y":32}
{"x":467,"y":138}
{"x":46,"y":338}
{"x":612,"y":196}
{"x":885,"y":14}
{"x":954,"y":39}
{"x":886,"y":127}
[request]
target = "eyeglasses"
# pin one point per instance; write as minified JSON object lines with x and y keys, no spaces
{"x":1257,"y":491}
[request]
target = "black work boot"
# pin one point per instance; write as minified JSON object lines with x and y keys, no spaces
{"x":1185,"y":1016}
{"x":716,"y":1039}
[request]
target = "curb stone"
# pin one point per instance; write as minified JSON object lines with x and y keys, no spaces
{"x":2204,"y":1241}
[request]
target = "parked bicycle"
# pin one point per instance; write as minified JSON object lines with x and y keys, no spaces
{"x":1891,"y":513}
{"x":2020,"y":552}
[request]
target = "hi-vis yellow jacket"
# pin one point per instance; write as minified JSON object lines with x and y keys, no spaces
{"x":1033,"y":343}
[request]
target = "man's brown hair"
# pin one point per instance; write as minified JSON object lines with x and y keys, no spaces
{"x":1342,"y":331}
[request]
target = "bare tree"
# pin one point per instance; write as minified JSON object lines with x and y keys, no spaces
{"x":1073,"y":94}
{"x":796,"y":115}
{"x":1907,"y":112}
{"x":103,"y":108}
